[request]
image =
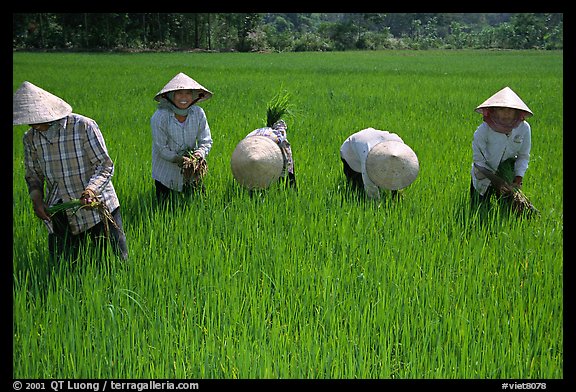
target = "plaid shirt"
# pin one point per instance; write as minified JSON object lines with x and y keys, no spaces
{"x":278,"y":135}
{"x":70,"y":157}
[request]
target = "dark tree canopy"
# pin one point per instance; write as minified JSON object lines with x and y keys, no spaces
{"x":285,"y":31}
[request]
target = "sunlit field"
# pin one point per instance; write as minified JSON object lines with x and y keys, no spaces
{"x":309,"y":284}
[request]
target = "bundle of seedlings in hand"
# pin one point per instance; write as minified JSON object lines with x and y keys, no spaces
{"x":520,"y":202}
{"x":278,"y":107}
{"x":75,"y":204}
{"x":194,"y":168}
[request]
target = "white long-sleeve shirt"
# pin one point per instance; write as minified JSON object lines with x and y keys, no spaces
{"x":171,"y":139}
{"x":490,"y":148}
{"x":355,"y":151}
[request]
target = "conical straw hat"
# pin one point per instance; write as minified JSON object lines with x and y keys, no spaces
{"x":505,"y":98}
{"x":257,"y":162}
{"x":392,"y":165}
{"x":185,"y":82}
{"x":32,"y":105}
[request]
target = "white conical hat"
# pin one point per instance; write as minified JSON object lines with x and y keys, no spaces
{"x":392,"y":165}
{"x":505,"y":98}
{"x":257,"y":162}
{"x":32,"y":105}
{"x":185,"y":82}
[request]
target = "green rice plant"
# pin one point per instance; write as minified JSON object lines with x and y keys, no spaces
{"x":278,"y":107}
{"x":73,"y":205}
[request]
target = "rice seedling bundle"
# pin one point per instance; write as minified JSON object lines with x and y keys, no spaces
{"x":278,"y":107}
{"x":520,"y":202}
{"x":74,"y":205}
{"x":194,"y":168}
{"x":501,"y":181}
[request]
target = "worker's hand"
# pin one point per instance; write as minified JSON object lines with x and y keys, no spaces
{"x":180,"y":161}
{"x":39,"y":206}
{"x":479,"y":175}
{"x":517,"y":182}
{"x":186,"y":161}
{"x":88,"y":196}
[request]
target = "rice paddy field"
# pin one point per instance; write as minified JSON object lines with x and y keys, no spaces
{"x":307,"y":284}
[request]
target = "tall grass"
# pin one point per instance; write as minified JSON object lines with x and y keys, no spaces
{"x":309,"y":284}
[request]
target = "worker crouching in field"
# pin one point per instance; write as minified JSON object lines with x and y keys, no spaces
{"x":181,"y":138}
{"x":376,"y":160}
{"x":501,"y":151}
{"x":265,"y":155}
{"x":67,"y":153}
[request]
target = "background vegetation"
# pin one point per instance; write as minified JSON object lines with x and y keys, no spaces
{"x":314,"y":283}
{"x":283,"y":32}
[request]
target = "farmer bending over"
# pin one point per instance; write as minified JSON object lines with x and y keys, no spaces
{"x":377,"y":160}
{"x":277,"y":133}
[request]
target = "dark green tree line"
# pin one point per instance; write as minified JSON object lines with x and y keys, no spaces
{"x":284,"y":31}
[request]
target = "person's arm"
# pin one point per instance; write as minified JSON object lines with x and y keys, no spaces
{"x":38,"y":205}
{"x":523,"y":157}
{"x":97,"y":153}
{"x":34,"y":179}
{"x":479,"y":148}
{"x":291,"y":181}
{"x":204,"y":137}
{"x":371,"y":189}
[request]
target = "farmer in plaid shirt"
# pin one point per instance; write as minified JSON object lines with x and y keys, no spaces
{"x":66,"y":152}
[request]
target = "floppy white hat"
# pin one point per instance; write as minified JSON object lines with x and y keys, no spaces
{"x":185,"y":82}
{"x":256,"y":162}
{"x":505,"y":98}
{"x":392,"y":165}
{"x":33,"y":105}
